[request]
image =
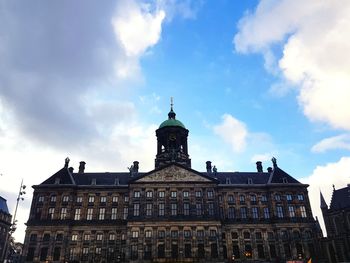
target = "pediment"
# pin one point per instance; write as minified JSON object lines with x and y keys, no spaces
{"x":174,"y":173}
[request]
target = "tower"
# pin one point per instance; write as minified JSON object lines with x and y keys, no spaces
{"x":172,"y":142}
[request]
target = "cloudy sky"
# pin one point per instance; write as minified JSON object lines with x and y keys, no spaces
{"x":250,"y":80}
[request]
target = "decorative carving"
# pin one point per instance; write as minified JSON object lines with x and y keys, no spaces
{"x":173,"y":173}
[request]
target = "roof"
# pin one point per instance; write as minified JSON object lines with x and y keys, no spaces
{"x":3,"y":205}
{"x":279,"y":176}
{"x":172,"y":122}
{"x":341,"y":198}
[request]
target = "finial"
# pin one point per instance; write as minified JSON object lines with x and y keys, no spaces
{"x":274,"y":162}
{"x":333,"y":187}
{"x":171,"y":102}
{"x":66,"y":162}
{"x":171,"y":114}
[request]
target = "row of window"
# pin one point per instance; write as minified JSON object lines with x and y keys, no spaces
{"x":263,"y":198}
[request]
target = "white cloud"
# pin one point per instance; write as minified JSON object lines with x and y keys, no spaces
{"x":315,"y":40}
{"x":262,"y":157}
{"x":233,"y":132}
{"x":341,"y":141}
{"x":322,"y":179}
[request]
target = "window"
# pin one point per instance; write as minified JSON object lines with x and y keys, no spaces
{"x":174,"y":234}
{"x":230,"y":199}
{"x":211,"y":209}
{"x":258,"y":235}
{"x":56,"y":253}
{"x":261,"y":253}
{"x":291,"y":211}
{"x":174,"y":209}
{"x":200,"y":233}
{"x":201,"y":251}
{"x":300,"y":197}
{"x":277,"y":197}
{"x":266,"y":213}
{"x":134,"y":252}
{"x":187,"y":233}
{"x":43,"y":253}
{"x":235,"y":251}
{"x":41,"y":199}
{"x":135,"y":234}
{"x":77,"y":214}
{"x":161,"y":194}
{"x":186,"y":194}
{"x":270,"y":235}
{"x":234,"y":235}
{"x":280,"y":211}
{"x":241,"y":199}
{"x":136,"y":209}
{"x":115,"y":199}
{"x":99,"y":237}
{"x":243,"y":212}
{"x":303,"y":211}
{"x":149,"y":208}
{"x":255,"y":212}
{"x":30,"y":254}
{"x":59,"y":237}
{"x":114,"y":213}
{"x":198,"y":194}
{"x":173,"y":194}
{"x":126,"y":198}
{"x":198,"y":209}
{"x":272,"y":251}
{"x":53,"y":199}
{"x":174,"y":251}
{"x":79,"y":199}
{"x":188,"y":252}
{"x":137,"y":194}
{"x":111,"y":236}
{"x":161,"y":251}
{"x":186,"y":209}
{"x":231,"y":212}
{"x":289,"y":197}
{"x":125,"y":212}
{"x":103,"y":199}
{"x":46,"y":237}
{"x":74,"y":237}
{"x":212,"y":232}
{"x":210,"y":194}
{"x":246,"y":235}
{"x":63,"y":213}
{"x":161,"y":233}
{"x":161,"y":209}
{"x":98,"y":251}
{"x":101,"y":214}
{"x":65,"y":199}
{"x":86,"y":237}
{"x":214,"y":250}
{"x":90,"y":211}
{"x":91,"y":199}
{"x":253,"y":199}
{"x":263,"y":198}
{"x":148,"y":233}
{"x":51,"y":213}
{"x":85,"y":250}
{"x":149,"y":194}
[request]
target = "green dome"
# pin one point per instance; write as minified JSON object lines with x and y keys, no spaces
{"x":172,"y":122}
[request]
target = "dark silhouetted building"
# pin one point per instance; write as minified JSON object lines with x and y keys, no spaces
{"x":5,"y":225}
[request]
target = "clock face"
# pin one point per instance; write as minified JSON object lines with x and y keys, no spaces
{"x":172,"y":137}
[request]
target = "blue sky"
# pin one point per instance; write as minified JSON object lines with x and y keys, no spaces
{"x":250,"y":80}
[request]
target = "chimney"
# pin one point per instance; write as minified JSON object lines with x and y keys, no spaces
{"x":208,"y":167}
{"x":82,"y":167}
{"x":71,"y":169}
{"x":269,"y":170}
{"x":136,"y":167}
{"x":259,"y":167}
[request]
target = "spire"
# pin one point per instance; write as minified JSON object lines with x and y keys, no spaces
{"x":171,"y":114}
{"x":323,"y":202}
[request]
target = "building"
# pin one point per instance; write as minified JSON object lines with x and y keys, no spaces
{"x":5,"y":226}
{"x":336,"y":246}
{"x":172,"y":213}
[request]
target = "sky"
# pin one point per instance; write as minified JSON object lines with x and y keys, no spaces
{"x":251,"y":80}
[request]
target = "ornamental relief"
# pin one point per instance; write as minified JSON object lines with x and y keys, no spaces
{"x":173,"y":173}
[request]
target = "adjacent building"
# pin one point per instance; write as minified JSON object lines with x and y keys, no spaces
{"x":172,"y":213}
{"x":336,"y":246}
{"x":5,"y":225}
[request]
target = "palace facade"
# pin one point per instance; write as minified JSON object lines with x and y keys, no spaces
{"x":172,"y":213}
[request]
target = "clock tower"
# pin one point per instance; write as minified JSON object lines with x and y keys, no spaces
{"x":172,"y":142}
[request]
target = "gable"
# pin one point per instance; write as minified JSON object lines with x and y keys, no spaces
{"x":174,"y":173}
{"x":63,"y":176}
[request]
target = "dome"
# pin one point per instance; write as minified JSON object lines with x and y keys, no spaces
{"x":172,"y":122}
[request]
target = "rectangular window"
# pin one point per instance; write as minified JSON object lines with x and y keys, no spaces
{"x":211,"y":209}
{"x":85,"y":250}
{"x":112,"y":237}
{"x":89,"y":214}
{"x":65,"y":199}
{"x":137,"y":194}
{"x":187,"y":233}
{"x":126,"y":198}
{"x":186,"y":209}
{"x":280,"y":211}
{"x":136,"y":209}
{"x":277,"y":197}
{"x":291,"y":211}
{"x":200,"y":234}
{"x":103,"y":199}
{"x":198,"y":209}
{"x":135,"y":234}
{"x":161,"y":209}
{"x":186,"y":194}
{"x":149,"y":208}
{"x":266,"y":213}
{"x":41,"y":199}
{"x":72,"y":253}
{"x":148,"y":233}
{"x":56,"y":253}
{"x":173,"y":194}
{"x":174,"y":209}
{"x":79,"y":199}
{"x":231,"y":212}
{"x":174,"y":234}
{"x":198,"y":193}
{"x":188,"y":252}
{"x":210,"y":194}
{"x":161,"y":233}
{"x":53,"y":199}
{"x":201,"y":251}
{"x":77,"y":214}
{"x":300,"y":197}
{"x":161,"y":251}
{"x":99,"y":237}
{"x":263,"y":198}
{"x":243,"y":212}
{"x":230,"y":199}
{"x":242,"y":199}
{"x":134,"y":252}
{"x":115,"y":199}
{"x":255,"y":212}
{"x":98,"y":251}
{"x":261,"y":253}
{"x":63,"y":214}
{"x":125,"y":213}
{"x":114,"y":213}
{"x":91,"y":199}
{"x":213,"y":233}
{"x":253,"y":198}
{"x":59,"y":237}
{"x":161,"y":194}
{"x":101,"y":214}
{"x":74,"y":237}
{"x":149,"y":194}
{"x":51,"y":213}
{"x":303,"y":211}
{"x":86,"y":237}
{"x":289,"y":197}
